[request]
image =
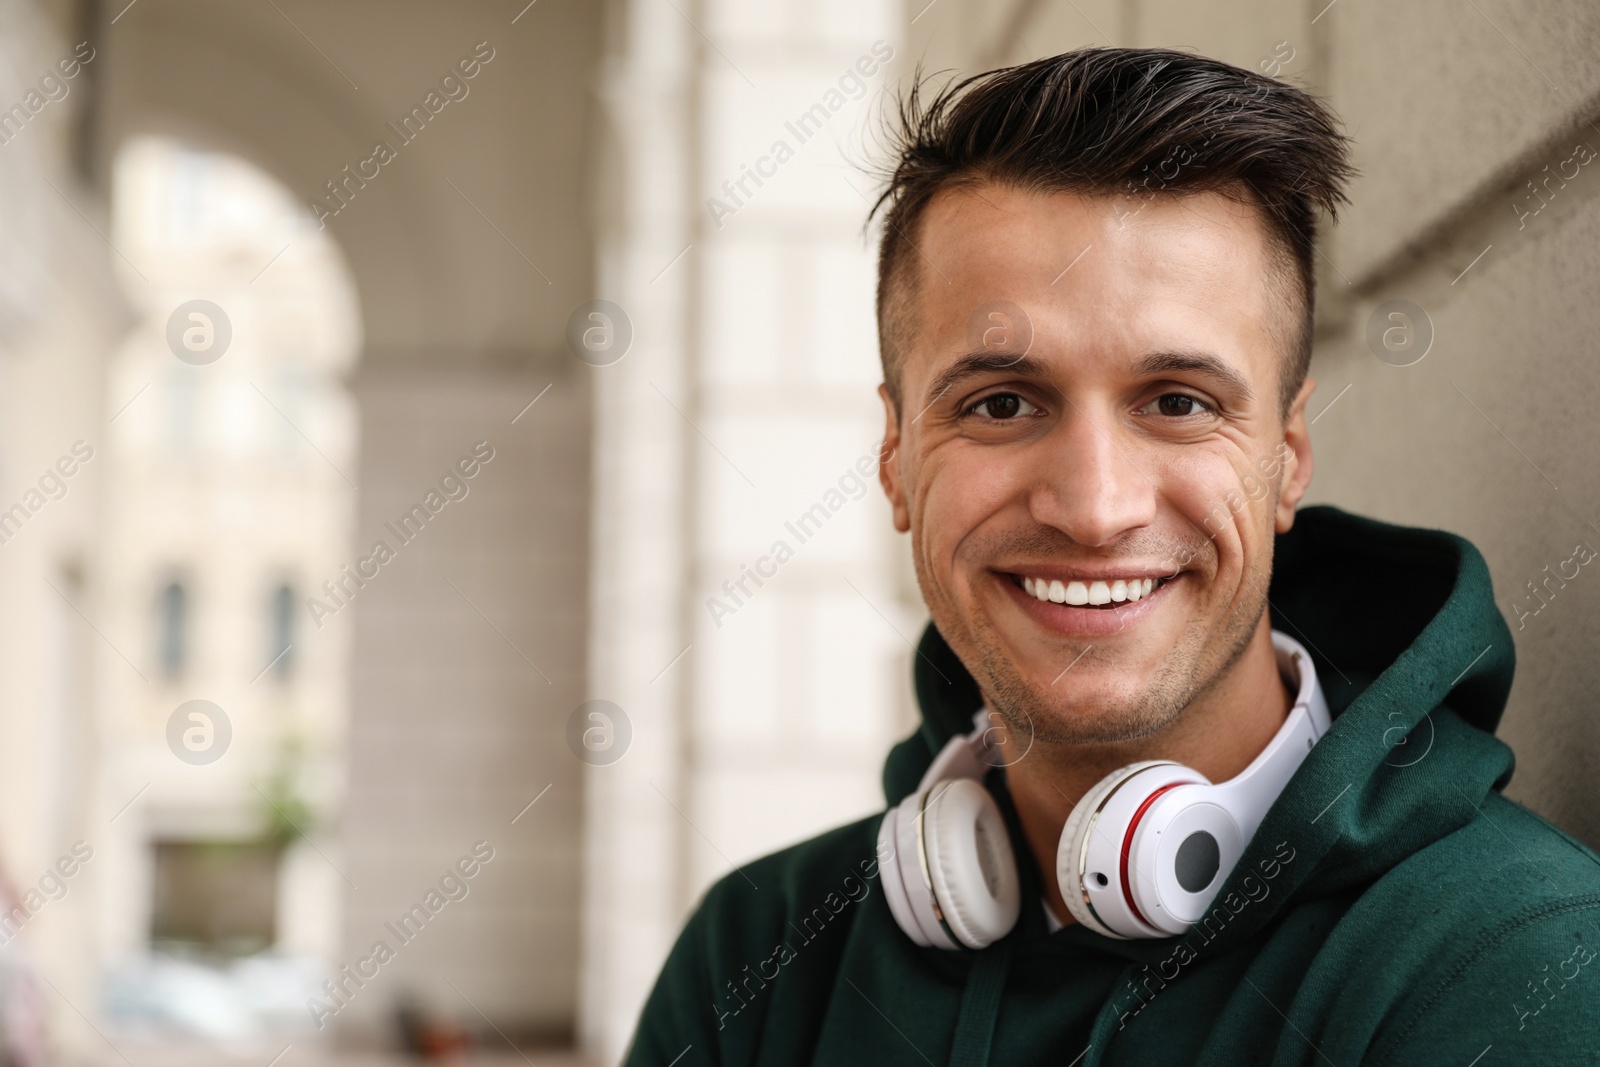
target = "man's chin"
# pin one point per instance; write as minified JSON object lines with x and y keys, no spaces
{"x":1057,"y":669}
{"x":1094,"y":696}
{"x":1049,"y":713}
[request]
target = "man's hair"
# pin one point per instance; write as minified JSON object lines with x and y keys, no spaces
{"x":1139,"y":122}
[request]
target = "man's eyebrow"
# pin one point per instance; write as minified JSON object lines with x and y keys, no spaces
{"x":1198,"y":362}
{"x":976,"y":363}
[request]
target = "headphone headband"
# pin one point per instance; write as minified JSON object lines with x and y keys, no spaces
{"x":1251,"y":792}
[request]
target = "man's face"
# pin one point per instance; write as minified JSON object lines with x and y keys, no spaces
{"x":1089,"y":411}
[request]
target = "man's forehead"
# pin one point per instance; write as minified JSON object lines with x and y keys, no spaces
{"x":981,"y":229}
{"x":1172,"y":274}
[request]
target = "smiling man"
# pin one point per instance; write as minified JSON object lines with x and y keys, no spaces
{"x":1201,"y":778}
{"x":1090,"y":467}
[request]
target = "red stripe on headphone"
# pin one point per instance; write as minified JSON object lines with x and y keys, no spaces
{"x":1127,"y":846}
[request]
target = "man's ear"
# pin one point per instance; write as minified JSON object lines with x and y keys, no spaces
{"x":889,"y":462}
{"x":1297,"y":465}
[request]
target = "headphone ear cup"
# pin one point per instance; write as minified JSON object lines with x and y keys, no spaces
{"x":1074,"y":837}
{"x":970,"y":862}
{"x":915,"y":908}
{"x":895,"y":889}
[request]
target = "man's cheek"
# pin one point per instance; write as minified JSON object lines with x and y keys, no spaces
{"x":1244,"y":544}
{"x":935,"y":528}
{"x":958,"y":498}
{"x":1205,"y":497}
{"x":946,"y":513}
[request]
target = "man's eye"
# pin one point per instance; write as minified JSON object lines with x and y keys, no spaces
{"x":1180,"y":405}
{"x":1002,"y":406}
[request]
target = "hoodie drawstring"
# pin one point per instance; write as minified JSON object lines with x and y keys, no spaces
{"x":980,"y":1006}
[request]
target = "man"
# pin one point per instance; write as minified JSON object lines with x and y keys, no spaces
{"x":1095,"y":318}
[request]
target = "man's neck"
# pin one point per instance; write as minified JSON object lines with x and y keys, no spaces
{"x":1217,"y":735}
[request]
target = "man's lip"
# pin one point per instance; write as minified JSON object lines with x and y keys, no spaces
{"x":1109,"y":572}
{"x":1067,"y":620}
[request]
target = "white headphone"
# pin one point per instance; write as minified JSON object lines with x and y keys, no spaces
{"x":1142,"y":854}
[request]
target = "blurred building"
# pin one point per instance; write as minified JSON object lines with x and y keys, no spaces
{"x":670,"y":505}
{"x":230,"y":500}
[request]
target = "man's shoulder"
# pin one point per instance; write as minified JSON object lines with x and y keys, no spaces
{"x":1492,"y":936}
{"x":1489,"y":881}
{"x":1503,"y":861}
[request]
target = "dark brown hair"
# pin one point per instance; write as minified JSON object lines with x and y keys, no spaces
{"x":1137,"y":121}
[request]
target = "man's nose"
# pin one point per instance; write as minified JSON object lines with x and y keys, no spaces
{"x":1089,"y":483}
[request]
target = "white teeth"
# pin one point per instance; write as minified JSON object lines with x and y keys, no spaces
{"x":1079,"y":593}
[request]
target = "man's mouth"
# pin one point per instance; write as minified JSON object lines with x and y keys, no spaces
{"x":1102,"y":593}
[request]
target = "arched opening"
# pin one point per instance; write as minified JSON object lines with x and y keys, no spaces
{"x":232,"y":455}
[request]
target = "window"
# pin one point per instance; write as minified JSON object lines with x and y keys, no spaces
{"x":282,"y":644}
{"x":174,"y":629}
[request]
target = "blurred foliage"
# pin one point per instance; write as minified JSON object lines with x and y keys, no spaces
{"x":285,"y":811}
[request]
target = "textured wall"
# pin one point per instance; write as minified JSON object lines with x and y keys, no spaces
{"x":1489,"y":435}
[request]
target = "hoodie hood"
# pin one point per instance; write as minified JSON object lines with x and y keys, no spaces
{"x":1416,"y":685}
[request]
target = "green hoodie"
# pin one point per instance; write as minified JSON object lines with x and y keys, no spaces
{"x":1393,"y":907}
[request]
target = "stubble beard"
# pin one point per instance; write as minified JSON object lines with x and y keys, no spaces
{"x":1045,"y":714}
